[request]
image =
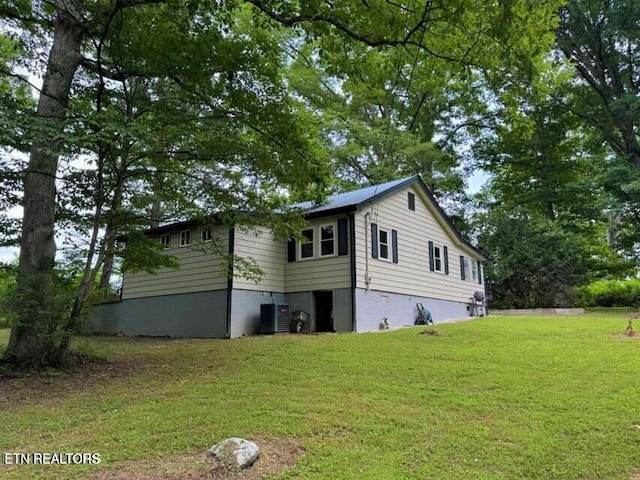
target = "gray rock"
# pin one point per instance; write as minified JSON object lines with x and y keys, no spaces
{"x":235,"y":452}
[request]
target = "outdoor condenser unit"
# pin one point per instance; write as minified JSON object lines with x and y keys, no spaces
{"x":274,"y":318}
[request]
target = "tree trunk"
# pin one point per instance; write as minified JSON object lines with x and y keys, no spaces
{"x":30,"y":342}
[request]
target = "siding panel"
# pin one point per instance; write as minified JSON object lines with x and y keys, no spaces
{"x":328,"y":273}
{"x":269,"y":254}
{"x":411,"y":275}
{"x":199,"y":270}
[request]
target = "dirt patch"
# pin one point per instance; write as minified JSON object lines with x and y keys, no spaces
{"x":47,"y":386}
{"x":275,"y":457}
{"x":632,"y":336}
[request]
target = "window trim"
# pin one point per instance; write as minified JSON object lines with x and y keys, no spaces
{"x":210,"y":235}
{"x":388,"y":244}
{"x":334,"y":225}
{"x":182,"y":244}
{"x":168,"y":237}
{"x":312,"y":242}
{"x":474,"y":271}
{"x":440,"y":248}
{"x":467,"y":269}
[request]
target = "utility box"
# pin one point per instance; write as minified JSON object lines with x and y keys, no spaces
{"x":274,"y":318}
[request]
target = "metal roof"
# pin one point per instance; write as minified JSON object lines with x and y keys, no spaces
{"x":351,"y":201}
{"x":340,"y":203}
{"x":355,"y":197}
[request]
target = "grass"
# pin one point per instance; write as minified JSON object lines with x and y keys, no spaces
{"x":495,"y":398}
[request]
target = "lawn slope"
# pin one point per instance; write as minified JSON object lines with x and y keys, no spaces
{"x":494,"y":398}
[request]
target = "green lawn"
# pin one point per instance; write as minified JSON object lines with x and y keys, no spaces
{"x":495,"y":398}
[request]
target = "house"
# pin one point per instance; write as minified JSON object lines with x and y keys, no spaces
{"x":365,"y":256}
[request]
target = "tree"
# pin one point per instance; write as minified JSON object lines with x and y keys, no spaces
{"x":105,"y":41}
{"x":544,"y":213}
{"x":601,"y":40}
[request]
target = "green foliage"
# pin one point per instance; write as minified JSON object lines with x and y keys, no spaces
{"x":143,"y":253}
{"x":609,"y":293}
{"x":7,"y":291}
{"x":536,"y":262}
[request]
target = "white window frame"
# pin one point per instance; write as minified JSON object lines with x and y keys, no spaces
{"x":166,"y":236}
{"x":438,"y":258}
{"x":206,"y":235}
{"x":387,"y":244}
{"x":333,"y":225}
{"x":467,"y":269}
{"x":184,"y":243}
{"x":312,"y":243}
{"x":474,"y":271}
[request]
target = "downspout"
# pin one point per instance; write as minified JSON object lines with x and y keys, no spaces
{"x":367,"y":278}
{"x":352,"y":240}
{"x":232,"y":238}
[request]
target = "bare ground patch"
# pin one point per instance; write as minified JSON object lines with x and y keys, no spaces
{"x":47,"y":386}
{"x":276,"y":456}
{"x":631,"y":336}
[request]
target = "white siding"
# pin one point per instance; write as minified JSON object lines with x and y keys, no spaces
{"x":411,"y":275}
{"x":199,"y":271}
{"x":269,"y":254}
{"x":325,"y":273}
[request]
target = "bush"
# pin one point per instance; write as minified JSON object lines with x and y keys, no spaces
{"x":609,"y":293}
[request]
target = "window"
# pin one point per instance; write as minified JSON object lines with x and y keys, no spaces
{"x":327,"y":240}
{"x":383,"y":243}
{"x":185,"y":238}
{"x":470,"y":270}
{"x":306,"y":246}
{"x":165,"y":240}
{"x":437,"y":258}
{"x":412,"y":201}
{"x":206,"y":235}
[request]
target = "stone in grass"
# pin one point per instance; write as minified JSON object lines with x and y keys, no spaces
{"x":235,"y":452}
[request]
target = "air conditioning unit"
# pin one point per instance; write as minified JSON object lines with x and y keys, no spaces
{"x":274,"y":318}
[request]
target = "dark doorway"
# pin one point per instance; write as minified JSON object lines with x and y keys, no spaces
{"x":324,"y":311}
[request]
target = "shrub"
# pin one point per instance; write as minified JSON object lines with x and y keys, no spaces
{"x":609,"y":293}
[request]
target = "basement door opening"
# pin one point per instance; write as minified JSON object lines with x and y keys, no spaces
{"x":323,"y":310}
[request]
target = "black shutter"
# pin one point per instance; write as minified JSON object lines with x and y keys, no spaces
{"x":446,"y":260}
{"x":462,"y":275}
{"x":374,"y":240}
{"x":343,"y":246}
{"x":432,"y":265}
{"x":291,"y":250}
{"x":479,"y":272}
{"x":394,"y":245}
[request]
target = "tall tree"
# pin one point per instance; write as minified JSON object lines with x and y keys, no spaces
{"x":601,"y":40}
{"x":543,"y":217}
{"x":249,"y":101}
